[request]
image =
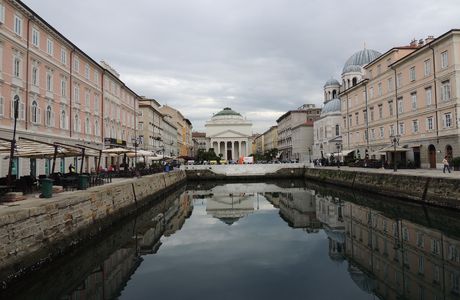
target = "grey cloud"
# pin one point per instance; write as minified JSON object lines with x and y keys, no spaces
{"x":255,"y":56}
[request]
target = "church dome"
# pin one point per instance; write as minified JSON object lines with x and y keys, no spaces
{"x":227,"y":111}
{"x":361,"y":58}
{"x":331,"y":82}
{"x":351,"y":68}
{"x":331,"y":106}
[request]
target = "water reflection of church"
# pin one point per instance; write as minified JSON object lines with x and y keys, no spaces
{"x":229,"y":208}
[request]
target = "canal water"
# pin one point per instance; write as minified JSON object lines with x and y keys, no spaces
{"x":283,"y":240}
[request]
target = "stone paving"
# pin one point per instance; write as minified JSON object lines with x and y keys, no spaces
{"x":415,"y":172}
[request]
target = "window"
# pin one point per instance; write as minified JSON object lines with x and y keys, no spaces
{"x":64,"y":87}
{"x":35,"y":112}
{"x":379,"y":89}
{"x":17,"y":67}
{"x":76,"y":64}
{"x":35,"y":76}
{"x":436,"y":273}
{"x":35,"y":37}
{"x":390,"y":108}
{"x":371,"y":92}
{"x":382,"y":132}
{"x":420,"y":239}
{"x":400,"y":105}
{"x":421,"y":264}
{"x":405,"y":234}
{"x":49,"y":82}
{"x":76,"y":124}
{"x":349,"y":121}
{"x":357,"y":118}
{"x":49,"y":46}
{"x":2,"y":107}
{"x":63,"y":120}
{"x":49,"y":116}
{"x":87,"y":71}
{"x":445,"y":90}
{"x":390,"y":84}
{"x":415,"y":126}
{"x":453,"y":253}
{"x":379,"y":69}
{"x":64,"y":56}
{"x":17,"y":25}
{"x":429,"y":123}
{"x":413,"y":97}
{"x":401,"y":128}
{"x":428,"y":96}
{"x":96,"y":127}
{"x":96,"y":77}
{"x":448,"y":120}
{"x":398,"y":80}
{"x":372,"y":134}
{"x":412,"y":74}
{"x":455,"y":282}
{"x":2,"y":13}
{"x":87,"y":98}
{"x":87,"y":126}
{"x":444,"y":60}
{"x":76,"y":93}
{"x":427,"y":67}
{"x":380,"y":111}
{"x":435,"y":247}
{"x":337,"y":130}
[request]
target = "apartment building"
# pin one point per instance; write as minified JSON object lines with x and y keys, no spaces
{"x":409,"y":96}
{"x":184,"y":129}
{"x":259,"y":144}
{"x":271,"y":138}
{"x":150,"y":127}
{"x":64,"y":95}
{"x":296,"y":123}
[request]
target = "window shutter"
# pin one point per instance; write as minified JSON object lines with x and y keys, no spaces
{"x":2,"y":106}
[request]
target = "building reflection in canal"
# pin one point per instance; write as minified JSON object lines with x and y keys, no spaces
{"x":391,"y":252}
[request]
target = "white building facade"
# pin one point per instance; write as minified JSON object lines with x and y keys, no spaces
{"x":229,"y":134}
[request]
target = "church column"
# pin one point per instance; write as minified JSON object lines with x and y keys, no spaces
{"x":218,"y":148}
{"x":225,"y":153}
{"x":247,"y":148}
{"x":239,"y":149}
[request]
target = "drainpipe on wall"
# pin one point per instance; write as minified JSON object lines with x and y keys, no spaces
{"x":27,"y":74}
{"x":367,"y":116}
{"x":435,"y":94}
{"x":70,"y":92}
{"x":396,"y":103}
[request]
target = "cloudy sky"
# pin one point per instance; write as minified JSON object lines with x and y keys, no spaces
{"x":259,"y":57}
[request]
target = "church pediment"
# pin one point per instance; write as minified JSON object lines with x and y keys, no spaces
{"x":229,"y":134}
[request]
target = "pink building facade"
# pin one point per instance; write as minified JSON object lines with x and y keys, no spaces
{"x":65,"y":96}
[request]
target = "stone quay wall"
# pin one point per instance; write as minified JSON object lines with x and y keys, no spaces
{"x":437,"y":191}
{"x":35,"y":231}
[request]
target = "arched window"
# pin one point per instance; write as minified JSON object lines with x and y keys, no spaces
{"x":337,"y":130}
{"x":87,"y":128}
{"x":63,"y":120}
{"x":49,"y":115}
{"x":35,"y":112}
{"x":76,"y":124}
{"x":334,"y":94}
{"x":96,"y":127}
{"x":348,"y":83}
{"x":112,"y":132}
{"x":355,"y":81}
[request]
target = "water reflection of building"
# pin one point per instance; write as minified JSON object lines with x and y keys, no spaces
{"x":273,"y":198}
{"x":329,"y":212}
{"x":229,"y":208}
{"x":404,"y":259}
{"x":298,"y":209}
{"x":182,"y":209}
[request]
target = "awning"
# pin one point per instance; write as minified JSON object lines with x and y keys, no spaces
{"x":393,"y":149}
{"x":346,"y":152}
{"x":26,"y":148}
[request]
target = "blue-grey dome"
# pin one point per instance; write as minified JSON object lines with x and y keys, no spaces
{"x":351,"y":68}
{"x":331,"y":106}
{"x":331,"y":82}
{"x":361,"y":58}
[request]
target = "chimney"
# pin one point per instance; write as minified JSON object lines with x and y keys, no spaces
{"x":413,"y":43}
{"x":420,"y":42}
{"x":429,"y":39}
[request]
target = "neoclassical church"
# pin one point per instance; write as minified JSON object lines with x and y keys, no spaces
{"x":328,"y":128}
{"x":229,"y":134}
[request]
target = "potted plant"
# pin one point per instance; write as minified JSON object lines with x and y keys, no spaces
{"x":456,"y":163}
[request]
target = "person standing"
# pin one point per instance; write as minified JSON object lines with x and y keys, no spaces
{"x":445,"y":163}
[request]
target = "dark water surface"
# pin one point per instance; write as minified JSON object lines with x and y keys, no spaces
{"x":289,"y":240}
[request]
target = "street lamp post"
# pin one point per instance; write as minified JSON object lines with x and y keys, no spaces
{"x":338,"y":155}
{"x":13,"y":141}
{"x":395,"y":142}
{"x":309,"y":153}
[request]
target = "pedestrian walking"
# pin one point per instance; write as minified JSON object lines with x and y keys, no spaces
{"x":445,"y":163}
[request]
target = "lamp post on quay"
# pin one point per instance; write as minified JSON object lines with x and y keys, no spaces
{"x":13,"y":141}
{"x":309,"y":153}
{"x":338,"y":145}
{"x":394,"y":142}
